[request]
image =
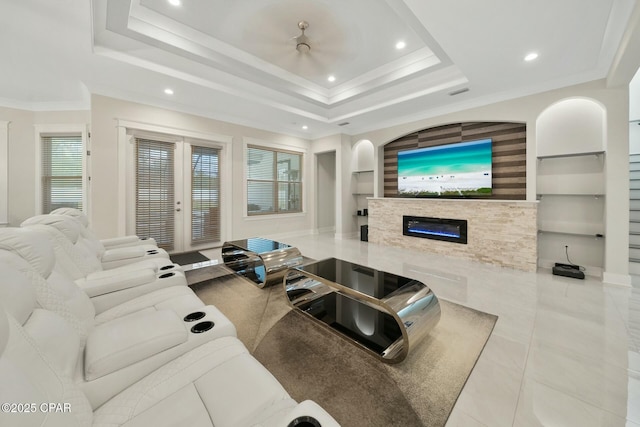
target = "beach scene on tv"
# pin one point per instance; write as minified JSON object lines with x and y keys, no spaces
{"x":453,"y":170}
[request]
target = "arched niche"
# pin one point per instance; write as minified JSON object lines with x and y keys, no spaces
{"x":573,"y":125}
{"x":363,"y":155}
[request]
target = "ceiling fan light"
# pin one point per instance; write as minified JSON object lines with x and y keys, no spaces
{"x":303,"y":47}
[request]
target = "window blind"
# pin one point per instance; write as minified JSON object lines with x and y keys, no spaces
{"x":155,"y":191}
{"x":205,"y":194}
{"x":273,"y":181}
{"x":62,"y":181}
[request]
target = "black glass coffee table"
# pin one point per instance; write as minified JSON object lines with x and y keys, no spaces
{"x":382,"y":312}
{"x":262,"y":261}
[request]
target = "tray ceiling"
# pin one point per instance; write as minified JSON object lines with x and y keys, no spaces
{"x":237,"y":60}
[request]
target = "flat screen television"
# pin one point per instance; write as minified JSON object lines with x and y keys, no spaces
{"x":453,"y":170}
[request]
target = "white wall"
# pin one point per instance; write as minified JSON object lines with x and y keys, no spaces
{"x":527,"y":109}
{"x":571,"y":126}
{"x":363,"y":156}
{"x":106,"y":200}
{"x":104,"y":160}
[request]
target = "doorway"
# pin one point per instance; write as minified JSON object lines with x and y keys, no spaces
{"x":174,"y":192}
{"x":326,"y":192}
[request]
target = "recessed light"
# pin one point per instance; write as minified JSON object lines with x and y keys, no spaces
{"x":531,"y":56}
{"x":401,"y":45}
{"x":168,"y":91}
{"x":305,"y":127}
{"x":331,"y":78}
{"x":175,"y":2}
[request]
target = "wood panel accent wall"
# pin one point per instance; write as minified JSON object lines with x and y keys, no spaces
{"x":509,"y":149}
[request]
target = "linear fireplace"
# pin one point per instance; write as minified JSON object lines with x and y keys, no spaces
{"x":449,"y":230}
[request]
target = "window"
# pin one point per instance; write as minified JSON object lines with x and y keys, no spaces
{"x":274,"y":184}
{"x":205,"y":194}
{"x":61,"y":174}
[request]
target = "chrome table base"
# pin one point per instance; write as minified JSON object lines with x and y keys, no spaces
{"x":262,"y":261}
{"x":384,"y":313}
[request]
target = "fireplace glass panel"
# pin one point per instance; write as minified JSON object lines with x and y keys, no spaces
{"x":450,"y":230}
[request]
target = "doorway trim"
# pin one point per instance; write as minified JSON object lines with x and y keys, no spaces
{"x":126,"y":128}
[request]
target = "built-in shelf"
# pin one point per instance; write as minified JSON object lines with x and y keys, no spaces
{"x":571,"y":196}
{"x":566,"y":233}
{"x":558,"y":156}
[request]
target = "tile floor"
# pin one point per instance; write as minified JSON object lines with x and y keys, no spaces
{"x":564,"y":352}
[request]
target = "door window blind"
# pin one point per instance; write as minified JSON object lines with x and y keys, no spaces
{"x":61,"y":174}
{"x":205,"y":194}
{"x":155,"y":191}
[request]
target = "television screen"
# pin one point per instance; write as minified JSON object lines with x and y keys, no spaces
{"x":453,"y":170}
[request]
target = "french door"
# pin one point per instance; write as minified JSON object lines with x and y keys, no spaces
{"x":176,"y":193}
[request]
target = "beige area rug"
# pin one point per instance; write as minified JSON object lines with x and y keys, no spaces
{"x":352,"y":385}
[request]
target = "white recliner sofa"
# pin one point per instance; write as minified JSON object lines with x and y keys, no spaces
{"x":110,"y":243}
{"x":108,"y":259}
{"x":118,"y":351}
{"x":216,"y":384}
{"x":107,"y":288}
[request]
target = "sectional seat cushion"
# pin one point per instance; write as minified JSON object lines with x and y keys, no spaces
{"x":218,"y":384}
{"x":131,"y":339}
{"x":179,"y":299}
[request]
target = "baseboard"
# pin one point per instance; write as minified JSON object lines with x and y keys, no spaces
{"x":347,"y":236}
{"x":617,"y":279}
{"x":323,"y":230}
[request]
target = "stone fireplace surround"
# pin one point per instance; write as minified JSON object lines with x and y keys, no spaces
{"x":500,"y":232}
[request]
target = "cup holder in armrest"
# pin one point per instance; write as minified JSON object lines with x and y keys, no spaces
{"x":152,"y":251}
{"x":304,"y":421}
{"x":202,"y":327}
{"x":196,"y":315}
{"x":166,"y":267}
{"x":165,"y":275}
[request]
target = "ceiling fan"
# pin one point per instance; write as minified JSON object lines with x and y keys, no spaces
{"x":303,"y":45}
{"x":309,"y":55}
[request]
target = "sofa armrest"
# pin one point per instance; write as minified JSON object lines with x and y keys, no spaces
{"x":103,"y":283}
{"x":124,"y":241}
{"x":119,"y":241}
{"x":131,"y":339}
{"x":118,"y":254}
